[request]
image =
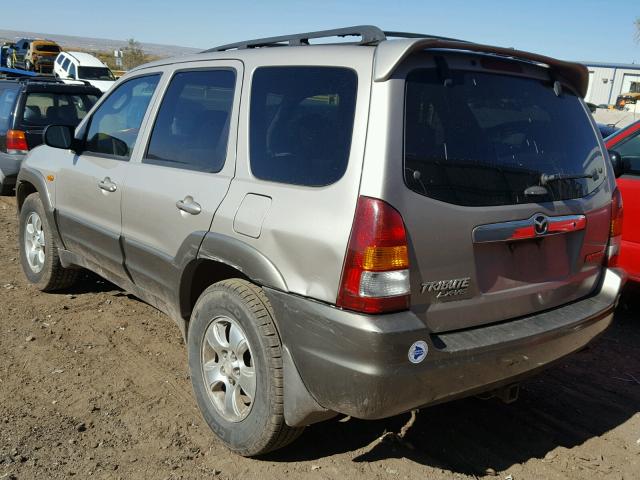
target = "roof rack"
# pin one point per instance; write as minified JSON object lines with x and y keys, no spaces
{"x":40,"y":78}
{"x":369,"y":34}
{"x":389,"y":34}
{"x":26,"y":76}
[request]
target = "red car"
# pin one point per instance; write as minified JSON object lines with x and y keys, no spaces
{"x":626,"y":143}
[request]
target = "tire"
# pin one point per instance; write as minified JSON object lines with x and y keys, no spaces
{"x":228,"y":310}
{"x":50,"y":275}
{"x":29,"y":66}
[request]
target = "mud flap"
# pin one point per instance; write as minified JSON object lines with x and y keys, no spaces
{"x":300,"y":409}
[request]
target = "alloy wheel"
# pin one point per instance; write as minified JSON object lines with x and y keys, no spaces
{"x":34,"y":242}
{"x":228,"y":369}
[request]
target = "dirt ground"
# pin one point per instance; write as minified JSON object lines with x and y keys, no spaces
{"x":94,"y":384}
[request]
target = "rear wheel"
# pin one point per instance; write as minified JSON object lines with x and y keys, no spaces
{"x":39,"y":250}
{"x":235,"y":358}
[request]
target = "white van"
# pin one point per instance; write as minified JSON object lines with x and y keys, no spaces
{"x":83,"y":66}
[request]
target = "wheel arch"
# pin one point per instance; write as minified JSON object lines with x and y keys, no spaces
{"x":31,"y":181}
{"x":221,"y":257}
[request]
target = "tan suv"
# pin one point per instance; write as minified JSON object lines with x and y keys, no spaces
{"x":355,"y":228}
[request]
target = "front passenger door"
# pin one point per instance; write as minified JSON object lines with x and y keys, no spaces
{"x":89,"y":190}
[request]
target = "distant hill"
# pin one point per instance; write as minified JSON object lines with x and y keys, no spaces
{"x":98,"y":44}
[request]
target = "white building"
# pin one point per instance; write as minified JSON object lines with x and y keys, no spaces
{"x":608,"y":80}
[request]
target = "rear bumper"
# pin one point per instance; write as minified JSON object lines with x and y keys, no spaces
{"x":358,"y":364}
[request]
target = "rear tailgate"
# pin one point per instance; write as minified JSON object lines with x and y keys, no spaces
{"x":492,"y":238}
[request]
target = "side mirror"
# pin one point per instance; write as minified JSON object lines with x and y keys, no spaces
{"x":617,"y":162}
{"x":59,"y":136}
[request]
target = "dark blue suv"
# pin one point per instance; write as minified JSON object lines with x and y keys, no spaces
{"x":27,"y":106}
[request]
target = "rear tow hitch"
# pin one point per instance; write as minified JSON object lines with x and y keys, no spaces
{"x":508,"y":394}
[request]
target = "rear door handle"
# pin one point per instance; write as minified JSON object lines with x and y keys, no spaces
{"x":189,"y":205}
{"x":107,"y":185}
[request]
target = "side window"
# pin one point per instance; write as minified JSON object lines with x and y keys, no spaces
{"x":59,"y":59}
{"x":192,"y":126}
{"x":301,"y":123}
{"x":72,"y":70}
{"x":46,"y":108}
{"x":65,"y":64}
{"x":630,"y":151}
{"x":115,"y":125}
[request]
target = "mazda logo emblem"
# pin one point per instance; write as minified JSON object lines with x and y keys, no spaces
{"x":540,"y":224}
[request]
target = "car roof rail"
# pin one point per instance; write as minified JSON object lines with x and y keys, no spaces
{"x":40,"y":78}
{"x":370,"y":35}
{"x":86,"y":83}
{"x":390,"y":34}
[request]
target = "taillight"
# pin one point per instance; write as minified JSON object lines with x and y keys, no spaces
{"x":16,"y":142}
{"x":375,"y":277}
{"x":615,"y":230}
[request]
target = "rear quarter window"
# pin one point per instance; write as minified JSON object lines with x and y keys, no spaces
{"x":301,"y":123}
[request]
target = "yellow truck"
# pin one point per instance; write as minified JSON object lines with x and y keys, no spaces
{"x":631,"y":99}
{"x":34,"y":54}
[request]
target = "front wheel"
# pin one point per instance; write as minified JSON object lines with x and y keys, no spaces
{"x":39,"y":250}
{"x":235,"y":359}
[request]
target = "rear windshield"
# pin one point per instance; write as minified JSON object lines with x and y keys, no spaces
{"x":56,"y":108}
{"x":95,"y":73}
{"x":481,"y":139}
{"x":48,"y":48}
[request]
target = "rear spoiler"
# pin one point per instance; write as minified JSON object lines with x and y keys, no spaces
{"x":390,"y":54}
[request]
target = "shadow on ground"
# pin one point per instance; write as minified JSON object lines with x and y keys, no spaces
{"x":90,"y":282}
{"x":585,"y":396}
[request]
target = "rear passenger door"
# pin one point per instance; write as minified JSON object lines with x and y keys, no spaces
{"x":172,"y":194}
{"x":90,"y":183}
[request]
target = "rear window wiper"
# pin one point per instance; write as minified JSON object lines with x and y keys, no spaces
{"x":546,"y":179}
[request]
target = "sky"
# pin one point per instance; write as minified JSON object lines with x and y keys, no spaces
{"x":585,"y":30}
